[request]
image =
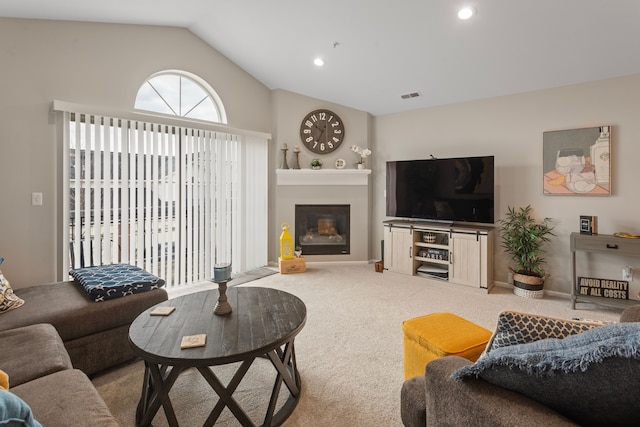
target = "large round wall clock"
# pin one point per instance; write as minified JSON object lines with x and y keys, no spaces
{"x":322,"y":131}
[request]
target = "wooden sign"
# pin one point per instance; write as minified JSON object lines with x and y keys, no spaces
{"x":606,"y":288}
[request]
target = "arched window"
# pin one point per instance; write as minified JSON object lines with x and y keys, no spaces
{"x":182,"y":94}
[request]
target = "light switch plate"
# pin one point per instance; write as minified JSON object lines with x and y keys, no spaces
{"x":36,"y":199}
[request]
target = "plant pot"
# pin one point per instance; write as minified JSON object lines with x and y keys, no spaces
{"x":527,"y":286}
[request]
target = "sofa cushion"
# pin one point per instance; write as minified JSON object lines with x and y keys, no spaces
{"x":105,"y":282}
{"x":32,"y":352}
{"x":520,"y":328}
{"x":67,"y":307}
{"x":592,"y":378}
{"x":14,"y":412}
{"x":66,"y":398}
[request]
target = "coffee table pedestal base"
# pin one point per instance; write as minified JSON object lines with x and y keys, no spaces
{"x":160,"y":378}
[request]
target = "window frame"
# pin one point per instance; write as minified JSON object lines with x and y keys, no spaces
{"x":206,"y":88}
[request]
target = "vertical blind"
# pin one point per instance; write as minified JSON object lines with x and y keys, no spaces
{"x":171,"y":199}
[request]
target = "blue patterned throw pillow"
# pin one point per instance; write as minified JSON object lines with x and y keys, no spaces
{"x":107,"y":282}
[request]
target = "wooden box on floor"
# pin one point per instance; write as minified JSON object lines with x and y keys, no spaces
{"x":295,"y":265}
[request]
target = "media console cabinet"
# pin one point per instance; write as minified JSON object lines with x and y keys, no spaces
{"x":458,"y":254}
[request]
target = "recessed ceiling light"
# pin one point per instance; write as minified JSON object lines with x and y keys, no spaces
{"x":466,"y":12}
{"x":319,"y":62}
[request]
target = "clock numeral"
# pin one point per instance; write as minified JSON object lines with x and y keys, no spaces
{"x":323,"y":116}
{"x":315,"y":144}
{"x":330,"y":118}
{"x":330,"y":144}
{"x":322,"y":147}
{"x":309,"y":139}
{"x":314,"y":118}
{"x":308,"y":123}
{"x":337,"y":131}
{"x":334,"y":124}
{"x":306,"y":131}
{"x":336,"y":140}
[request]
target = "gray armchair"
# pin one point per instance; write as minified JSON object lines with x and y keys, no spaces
{"x":435,"y":399}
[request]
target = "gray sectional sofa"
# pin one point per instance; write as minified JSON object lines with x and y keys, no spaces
{"x":52,"y":344}
{"x":41,"y":374}
{"x":438,"y":399}
{"x":95,"y":334}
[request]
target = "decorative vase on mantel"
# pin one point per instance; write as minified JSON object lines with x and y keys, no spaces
{"x":295,"y":161}
{"x":284,"y":164}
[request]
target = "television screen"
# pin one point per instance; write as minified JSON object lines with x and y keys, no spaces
{"x":444,"y":190}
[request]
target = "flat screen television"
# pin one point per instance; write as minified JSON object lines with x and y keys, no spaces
{"x":442,"y":190}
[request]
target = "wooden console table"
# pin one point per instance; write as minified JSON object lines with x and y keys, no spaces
{"x":603,"y":243}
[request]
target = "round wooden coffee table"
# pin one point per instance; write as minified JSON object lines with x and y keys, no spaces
{"x":263,"y":323}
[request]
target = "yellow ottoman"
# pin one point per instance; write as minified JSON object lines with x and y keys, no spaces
{"x":437,"y":335}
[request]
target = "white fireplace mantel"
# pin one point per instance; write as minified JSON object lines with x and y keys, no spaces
{"x":323,"y":176}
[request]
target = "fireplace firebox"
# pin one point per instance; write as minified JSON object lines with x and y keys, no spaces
{"x":323,"y":229}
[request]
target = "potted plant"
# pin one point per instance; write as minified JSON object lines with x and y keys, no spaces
{"x":316,"y":164}
{"x":523,"y":238}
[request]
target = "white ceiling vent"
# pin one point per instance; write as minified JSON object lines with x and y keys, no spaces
{"x":410,"y":95}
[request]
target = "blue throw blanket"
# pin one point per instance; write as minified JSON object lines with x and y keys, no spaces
{"x":106,"y":282}
{"x":571,"y":354}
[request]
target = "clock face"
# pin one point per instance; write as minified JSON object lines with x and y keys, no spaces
{"x":322,"y":131}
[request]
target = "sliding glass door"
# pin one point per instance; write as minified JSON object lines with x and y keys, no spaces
{"x":173,"y":200}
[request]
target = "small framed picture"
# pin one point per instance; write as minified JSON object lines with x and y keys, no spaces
{"x":588,"y":224}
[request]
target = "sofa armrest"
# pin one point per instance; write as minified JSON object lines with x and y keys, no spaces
{"x":631,"y":314}
{"x":475,"y":402}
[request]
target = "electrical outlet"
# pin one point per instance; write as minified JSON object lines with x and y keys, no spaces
{"x":626,"y":273}
{"x":36,"y":199}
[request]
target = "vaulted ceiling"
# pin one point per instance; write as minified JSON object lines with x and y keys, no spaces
{"x":375,"y":51}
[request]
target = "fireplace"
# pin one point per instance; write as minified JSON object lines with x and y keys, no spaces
{"x":323,"y":229}
{"x":325,"y":187}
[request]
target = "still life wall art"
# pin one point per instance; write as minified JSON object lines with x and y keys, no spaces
{"x":577,"y":162}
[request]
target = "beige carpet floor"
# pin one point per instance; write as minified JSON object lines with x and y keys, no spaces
{"x":349,"y":352}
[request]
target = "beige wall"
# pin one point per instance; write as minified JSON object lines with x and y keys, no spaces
{"x":94,"y":64}
{"x":510,"y":128}
{"x":288,"y":111}
{"x":101,"y":64}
